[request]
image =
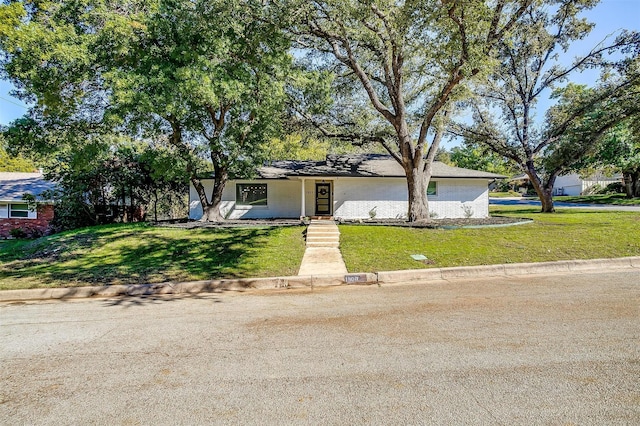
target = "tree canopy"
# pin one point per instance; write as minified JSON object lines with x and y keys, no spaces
{"x":504,"y":108}
{"x":208,"y":75}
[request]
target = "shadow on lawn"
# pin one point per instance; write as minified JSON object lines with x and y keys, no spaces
{"x":139,"y":257}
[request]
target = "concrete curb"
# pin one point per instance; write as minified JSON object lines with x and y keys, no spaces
{"x":311,"y":281}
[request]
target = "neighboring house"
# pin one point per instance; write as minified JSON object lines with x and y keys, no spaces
{"x":348,"y":187}
{"x":573,"y":184}
{"x":15,"y":212}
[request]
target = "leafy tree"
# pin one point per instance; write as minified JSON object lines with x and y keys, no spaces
{"x":505,"y":110}
{"x":617,"y":151}
{"x":398,"y":67}
{"x":478,"y":157}
{"x":10,"y":163}
{"x":209,"y":75}
{"x":99,"y":185}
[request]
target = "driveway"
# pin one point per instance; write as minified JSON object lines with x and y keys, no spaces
{"x":558,"y":349}
{"x":525,"y":202}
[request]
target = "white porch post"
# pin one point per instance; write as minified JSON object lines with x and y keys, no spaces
{"x":303,"y":202}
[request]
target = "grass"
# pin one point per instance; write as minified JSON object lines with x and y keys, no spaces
{"x":567,"y":234}
{"x":617,"y":199}
{"x":508,"y":194}
{"x":140,"y":253}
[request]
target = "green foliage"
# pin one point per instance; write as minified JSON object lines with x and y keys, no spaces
{"x":531,"y":65}
{"x":102,"y":185}
{"x":9,"y":163}
{"x":208,"y":76}
{"x":478,"y":157}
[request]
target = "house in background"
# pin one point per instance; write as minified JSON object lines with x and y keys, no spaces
{"x":573,"y":184}
{"x":15,"y":212}
{"x":358,"y":186}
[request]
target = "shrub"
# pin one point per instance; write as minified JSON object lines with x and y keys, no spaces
{"x":613,"y":188}
{"x":18,"y":233}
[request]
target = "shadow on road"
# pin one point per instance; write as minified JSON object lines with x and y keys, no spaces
{"x":129,"y":301}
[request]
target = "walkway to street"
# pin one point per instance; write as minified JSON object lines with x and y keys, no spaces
{"x":322,"y":255}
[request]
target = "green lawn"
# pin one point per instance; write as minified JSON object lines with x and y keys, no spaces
{"x":140,"y":253}
{"x":617,"y":199}
{"x":567,"y":234}
{"x":509,"y":194}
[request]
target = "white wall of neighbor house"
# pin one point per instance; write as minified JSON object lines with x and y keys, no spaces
{"x":352,"y":198}
{"x":573,"y":185}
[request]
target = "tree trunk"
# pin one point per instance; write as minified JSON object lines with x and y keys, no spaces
{"x":417,"y":184}
{"x":543,"y":189}
{"x":211,"y":208}
{"x":632,"y":183}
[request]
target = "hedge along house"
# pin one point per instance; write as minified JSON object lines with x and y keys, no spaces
{"x":347,"y":187}
{"x":18,"y":214}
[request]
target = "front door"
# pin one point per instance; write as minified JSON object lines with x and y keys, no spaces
{"x":323,"y":199}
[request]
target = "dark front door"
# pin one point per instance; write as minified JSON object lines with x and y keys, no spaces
{"x":323,"y":199}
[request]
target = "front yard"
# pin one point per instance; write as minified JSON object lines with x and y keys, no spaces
{"x":567,"y":234}
{"x":139,"y":253}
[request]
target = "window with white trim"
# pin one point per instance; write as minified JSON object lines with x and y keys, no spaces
{"x":19,"y":211}
{"x":432,"y":189}
{"x":251,"y":194}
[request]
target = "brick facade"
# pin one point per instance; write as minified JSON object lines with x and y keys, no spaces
{"x":38,"y":226}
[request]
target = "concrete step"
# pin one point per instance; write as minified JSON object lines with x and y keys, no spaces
{"x":320,"y":232}
{"x":322,"y":244}
{"x":322,"y":240}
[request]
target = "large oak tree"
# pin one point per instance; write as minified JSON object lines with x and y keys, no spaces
{"x":505,"y":115}
{"x":400,"y":66}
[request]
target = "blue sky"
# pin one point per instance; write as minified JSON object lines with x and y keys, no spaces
{"x":610,"y":16}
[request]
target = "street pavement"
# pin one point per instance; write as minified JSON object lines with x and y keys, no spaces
{"x":555,"y":349}
{"x":527,"y":202}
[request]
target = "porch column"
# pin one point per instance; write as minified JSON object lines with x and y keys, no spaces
{"x":303,"y":202}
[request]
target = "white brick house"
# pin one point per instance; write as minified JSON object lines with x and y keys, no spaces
{"x":348,"y":187}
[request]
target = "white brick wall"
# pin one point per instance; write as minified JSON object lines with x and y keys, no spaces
{"x":353,"y":198}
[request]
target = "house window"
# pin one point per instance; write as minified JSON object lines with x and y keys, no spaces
{"x":251,"y":194}
{"x":19,"y":210}
{"x":432,"y":189}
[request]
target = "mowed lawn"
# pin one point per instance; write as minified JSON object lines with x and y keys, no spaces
{"x":140,"y":253}
{"x":567,"y":234}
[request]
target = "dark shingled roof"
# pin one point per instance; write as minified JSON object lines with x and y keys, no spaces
{"x":361,"y":165}
{"x":14,"y":185}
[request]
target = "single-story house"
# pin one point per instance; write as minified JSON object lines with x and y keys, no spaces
{"x":15,"y":212}
{"x":358,"y":186}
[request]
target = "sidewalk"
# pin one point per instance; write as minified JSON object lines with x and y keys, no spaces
{"x":328,"y":278}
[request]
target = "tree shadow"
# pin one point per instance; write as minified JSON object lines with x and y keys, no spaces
{"x":136,"y":257}
{"x":127,"y":301}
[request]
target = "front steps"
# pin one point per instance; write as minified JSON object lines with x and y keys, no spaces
{"x":323,"y":233}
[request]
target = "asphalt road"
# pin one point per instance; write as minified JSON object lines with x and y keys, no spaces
{"x":554,"y":349}
{"x":527,"y":202}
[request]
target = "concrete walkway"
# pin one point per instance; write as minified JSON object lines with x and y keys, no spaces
{"x":322,"y":255}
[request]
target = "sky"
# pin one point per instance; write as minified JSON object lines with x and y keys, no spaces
{"x":609,"y":16}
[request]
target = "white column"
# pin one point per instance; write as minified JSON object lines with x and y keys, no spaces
{"x":303,"y":202}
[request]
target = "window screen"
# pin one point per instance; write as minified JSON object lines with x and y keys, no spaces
{"x":251,"y":194}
